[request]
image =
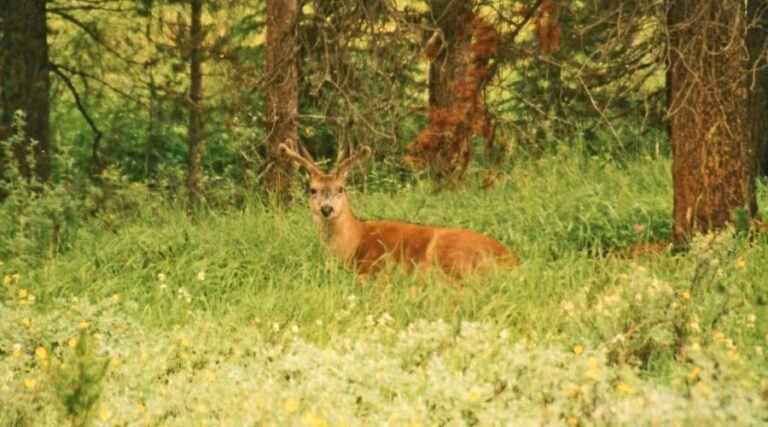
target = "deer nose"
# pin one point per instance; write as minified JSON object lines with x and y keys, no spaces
{"x":326,"y":211}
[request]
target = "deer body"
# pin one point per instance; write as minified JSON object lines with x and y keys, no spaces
{"x":369,"y":246}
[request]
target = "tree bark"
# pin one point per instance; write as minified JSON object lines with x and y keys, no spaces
{"x":195,"y":143}
{"x":282,"y":93}
{"x":757,"y":43}
{"x":712,"y":148}
{"x":24,"y":81}
{"x":448,"y":69}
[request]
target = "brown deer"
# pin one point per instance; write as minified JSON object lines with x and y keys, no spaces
{"x":369,"y":245}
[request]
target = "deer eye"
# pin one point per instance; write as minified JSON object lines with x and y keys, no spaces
{"x":313,"y":191}
{"x":341,"y":190}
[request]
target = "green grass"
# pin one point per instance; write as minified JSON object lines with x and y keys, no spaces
{"x":237,"y":316}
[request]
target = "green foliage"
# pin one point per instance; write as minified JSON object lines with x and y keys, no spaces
{"x":35,"y":219}
{"x":77,"y":380}
{"x":237,"y":316}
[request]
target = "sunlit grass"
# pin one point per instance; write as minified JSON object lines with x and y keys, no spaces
{"x":238,"y":315}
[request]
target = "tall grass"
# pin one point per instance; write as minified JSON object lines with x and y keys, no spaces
{"x":233,"y":278}
{"x":556,"y":214}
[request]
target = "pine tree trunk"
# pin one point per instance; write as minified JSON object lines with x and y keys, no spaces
{"x":446,"y":71}
{"x":757,"y":43}
{"x":24,"y":80}
{"x":195,"y":143}
{"x":154,"y":140}
{"x":282,"y":92}
{"x":712,"y":148}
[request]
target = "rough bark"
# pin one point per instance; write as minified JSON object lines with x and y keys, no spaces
{"x":757,"y":43}
{"x":195,"y":142}
{"x":282,"y":93}
{"x":24,"y":80}
{"x":447,"y":69}
{"x":712,"y":148}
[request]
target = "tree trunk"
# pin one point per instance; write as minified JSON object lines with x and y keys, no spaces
{"x":24,"y":81}
{"x":712,"y":152}
{"x":446,"y":71}
{"x":154,"y":140}
{"x":757,"y":43}
{"x":282,"y":92}
{"x":195,"y":143}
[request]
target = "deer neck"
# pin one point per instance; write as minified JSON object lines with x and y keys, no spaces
{"x":342,"y":235}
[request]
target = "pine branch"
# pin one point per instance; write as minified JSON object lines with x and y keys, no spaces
{"x":94,"y":35}
{"x":81,"y":107}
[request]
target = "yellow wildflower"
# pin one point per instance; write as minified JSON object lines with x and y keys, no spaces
{"x":185,"y":342}
{"x":572,"y":392}
{"x":17,"y":350}
{"x":114,"y":362}
{"x":30,"y":383}
{"x":473,"y":394}
{"x":25,"y":321}
{"x":209,"y":375}
{"x":41,"y":352}
{"x":23,"y":293}
{"x":686,"y":295}
{"x":105,"y":414}
{"x":694,"y":372}
{"x":16,"y":276}
{"x":140,"y":407}
{"x":115,"y":298}
{"x":572,"y":421}
{"x":312,"y":419}
{"x":625,"y":388}
{"x":72,"y":342}
{"x":291,"y":405}
{"x":577,"y":349}
{"x":6,"y":280}
{"x":703,"y":388}
{"x":741,"y":264}
{"x":1,"y":263}
{"x":593,"y":373}
{"x":85,"y":324}
{"x":718,"y":336}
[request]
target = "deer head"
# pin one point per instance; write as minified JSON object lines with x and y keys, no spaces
{"x":327,"y":198}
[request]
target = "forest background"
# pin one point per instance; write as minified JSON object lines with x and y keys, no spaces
{"x":617,"y":146}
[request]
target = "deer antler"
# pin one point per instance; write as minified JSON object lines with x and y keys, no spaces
{"x":299,"y":158}
{"x":342,"y":167}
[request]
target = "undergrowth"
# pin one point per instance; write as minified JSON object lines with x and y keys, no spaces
{"x":237,"y":316}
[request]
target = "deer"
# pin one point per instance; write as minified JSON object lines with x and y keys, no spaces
{"x":369,"y":246}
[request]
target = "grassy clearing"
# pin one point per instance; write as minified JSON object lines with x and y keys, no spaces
{"x":238,"y":317}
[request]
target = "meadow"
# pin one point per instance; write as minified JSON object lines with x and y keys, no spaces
{"x":236,"y":315}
